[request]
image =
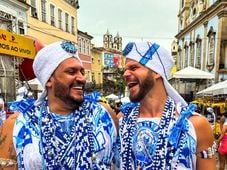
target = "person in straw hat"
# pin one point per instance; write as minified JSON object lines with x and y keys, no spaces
{"x":158,"y":129}
{"x":60,"y":130}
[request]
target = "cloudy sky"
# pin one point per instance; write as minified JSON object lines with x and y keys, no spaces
{"x":134,"y":20}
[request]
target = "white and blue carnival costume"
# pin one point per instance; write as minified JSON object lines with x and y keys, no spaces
{"x":84,"y":139}
{"x":165,"y":143}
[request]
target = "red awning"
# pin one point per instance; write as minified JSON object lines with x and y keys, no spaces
{"x":25,"y":68}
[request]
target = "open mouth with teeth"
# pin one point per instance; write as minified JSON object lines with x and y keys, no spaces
{"x":131,"y":84}
{"x":78,"y":88}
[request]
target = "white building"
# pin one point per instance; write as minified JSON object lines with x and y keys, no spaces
{"x":202,"y":38}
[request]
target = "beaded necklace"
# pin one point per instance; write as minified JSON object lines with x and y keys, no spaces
{"x":160,"y":157}
{"x":58,"y":149}
{"x":79,"y":149}
{"x":76,"y":149}
{"x":129,"y":128}
{"x":52,"y":137}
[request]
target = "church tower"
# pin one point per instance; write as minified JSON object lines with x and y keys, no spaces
{"x":107,"y":40}
{"x":117,"y":44}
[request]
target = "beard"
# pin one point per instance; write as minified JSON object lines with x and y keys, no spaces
{"x":62,"y":92}
{"x":144,"y":87}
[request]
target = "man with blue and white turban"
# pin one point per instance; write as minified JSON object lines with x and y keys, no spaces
{"x":61,"y":129}
{"x":159,"y":131}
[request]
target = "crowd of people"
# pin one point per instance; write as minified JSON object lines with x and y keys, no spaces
{"x":66,"y":129}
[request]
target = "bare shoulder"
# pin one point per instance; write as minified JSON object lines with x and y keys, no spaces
{"x":107,"y":107}
{"x":205,"y":140}
{"x":200,"y":122}
{"x":119,"y":115}
{"x":9,"y":123}
{"x":203,"y":129}
{"x":6,"y":137}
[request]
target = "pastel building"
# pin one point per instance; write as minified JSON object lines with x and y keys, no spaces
{"x":201,"y":42}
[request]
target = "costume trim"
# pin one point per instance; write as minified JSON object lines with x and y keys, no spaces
{"x":56,"y":142}
{"x":208,"y":153}
{"x":4,"y":163}
{"x":175,"y":138}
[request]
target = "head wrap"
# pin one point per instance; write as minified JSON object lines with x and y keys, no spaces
{"x":49,"y":58}
{"x":156,"y":58}
{"x":210,"y":109}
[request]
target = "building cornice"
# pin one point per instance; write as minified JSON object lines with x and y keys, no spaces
{"x":222,"y":13}
{"x":73,"y":3}
{"x":97,"y":49}
{"x":84,"y":34}
{"x":22,"y":4}
{"x":217,"y":8}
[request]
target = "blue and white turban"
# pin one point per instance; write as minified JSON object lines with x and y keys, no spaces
{"x":156,"y":58}
{"x":49,"y":58}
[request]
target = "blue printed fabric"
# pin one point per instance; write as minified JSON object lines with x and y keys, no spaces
{"x":85,"y":139}
{"x":166,"y":143}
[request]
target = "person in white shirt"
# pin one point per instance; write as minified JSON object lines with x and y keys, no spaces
{"x":2,"y":112}
{"x":211,"y":117}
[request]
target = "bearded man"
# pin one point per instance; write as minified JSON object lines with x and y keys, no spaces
{"x":158,"y":129}
{"x":60,"y":130}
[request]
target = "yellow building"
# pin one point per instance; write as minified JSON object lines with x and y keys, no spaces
{"x":53,"y":20}
{"x":97,"y":66}
{"x":104,"y":62}
{"x":46,"y":20}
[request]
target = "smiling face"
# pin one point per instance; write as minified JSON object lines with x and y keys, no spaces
{"x":139,"y":80}
{"x":67,"y":83}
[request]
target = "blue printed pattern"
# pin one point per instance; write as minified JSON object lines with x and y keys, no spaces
{"x":69,"y":47}
{"x":145,"y":143}
{"x":148,"y":55}
{"x":128,"y":49}
{"x":88,"y":144}
{"x":93,"y":96}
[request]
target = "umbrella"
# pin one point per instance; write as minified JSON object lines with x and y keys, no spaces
{"x":125,"y":100}
{"x":112,"y":97}
{"x":216,"y":89}
{"x":192,"y":73}
{"x":35,"y":84}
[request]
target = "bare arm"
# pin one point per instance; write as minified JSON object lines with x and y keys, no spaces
{"x":205,"y":140}
{"x":223,"y":131}
{"x":119,"y":115}
{"x":7,"y":151}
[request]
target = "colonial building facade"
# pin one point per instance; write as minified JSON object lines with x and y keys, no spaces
{"x":45,"y":20}
{"x":97,"y":65}
{"x":201,"y":41}
{"x":202,"y":36}
{"x":53,"y":20}
{"x":110,"y":42}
